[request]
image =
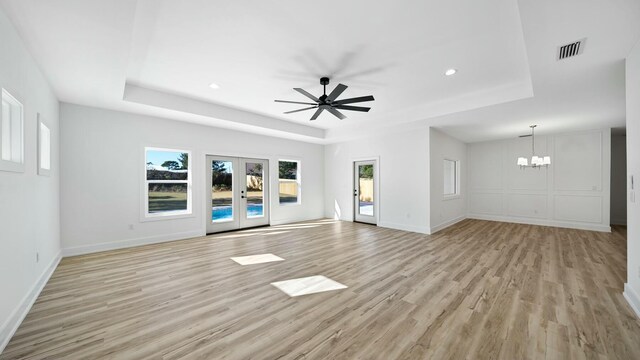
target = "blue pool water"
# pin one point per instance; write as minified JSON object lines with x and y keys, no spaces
{"x":226,"y":212}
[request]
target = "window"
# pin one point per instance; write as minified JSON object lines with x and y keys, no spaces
{"x":11,"y":134}
{"x":167,"y":182}
{"x":289,"y":181}
{"x":451,"y":178}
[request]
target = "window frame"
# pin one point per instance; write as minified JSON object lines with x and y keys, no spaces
{"x":44,"y":144}
{"x":10,"y":165}
{"x":166,"y":215}
{"x":456,"y":179}
{"x":298,"y":181}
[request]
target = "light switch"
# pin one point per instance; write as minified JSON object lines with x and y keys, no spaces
{"x":632,"y":196}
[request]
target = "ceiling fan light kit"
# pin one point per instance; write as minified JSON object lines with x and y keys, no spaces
{"x":536,"y":161}
{"x":329,"y":102}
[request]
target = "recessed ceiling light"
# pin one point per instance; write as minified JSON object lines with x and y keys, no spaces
{"x":450,"y":72}
{"x":214,"y":86}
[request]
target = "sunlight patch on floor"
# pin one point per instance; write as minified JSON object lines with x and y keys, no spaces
{"x":256,"y":259}
{"x":308,"y":285}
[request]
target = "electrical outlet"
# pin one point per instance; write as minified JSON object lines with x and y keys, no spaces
{"x":37,"y":257}
{"x":130,"y":226}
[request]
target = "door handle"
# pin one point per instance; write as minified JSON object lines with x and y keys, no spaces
{"x":355,"y":192}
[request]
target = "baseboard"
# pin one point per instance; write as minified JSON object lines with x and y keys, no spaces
{"x":10,"y":327}
{"x":404,"y":227}
{"x":295,"y":220}
{"x":123,"y":244}
{"x":632,"y":298}
{"x":541,"y":222}
{"x":446,"y":224}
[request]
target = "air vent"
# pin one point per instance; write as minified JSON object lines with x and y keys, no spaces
{"x":570,"y":50}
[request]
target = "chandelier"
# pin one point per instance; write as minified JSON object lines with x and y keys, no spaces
{"x":536,"y":161}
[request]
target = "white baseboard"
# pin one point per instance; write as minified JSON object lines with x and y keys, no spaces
{"x":446,"y":224}
{"x":10,"y":326}
{"x":122,"y":244}
{"x":404,"y":227}
{"x":632,"y":298}
{"x":541,"y":222}
{"x":295,"y":220}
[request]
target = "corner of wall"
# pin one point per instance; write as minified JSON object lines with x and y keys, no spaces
{"x":10,"y":326}
{"x":632,"y":298}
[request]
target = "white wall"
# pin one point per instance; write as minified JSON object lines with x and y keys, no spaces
{"x":101,"y":175}
{"x":618,"y":179}
{"x":632,"y":287}
{"x":573,"y":192}
{"x":446,"y":211}
{"x":403,"y":178}
{"x":29,"y":204}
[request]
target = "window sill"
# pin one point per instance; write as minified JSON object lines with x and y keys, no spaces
{"x":451,"y":197}
{"x":290,"y":204}
{"x":11,"y":166}
{"x":168,"y":216}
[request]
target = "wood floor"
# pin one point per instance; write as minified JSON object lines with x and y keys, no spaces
{"x":477,"y":290}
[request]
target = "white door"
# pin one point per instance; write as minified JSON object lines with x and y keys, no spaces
{"x":237,"y":191}
{"x":364,"y":193}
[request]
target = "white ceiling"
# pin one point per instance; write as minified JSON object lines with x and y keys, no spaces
{"x":158,"y":57}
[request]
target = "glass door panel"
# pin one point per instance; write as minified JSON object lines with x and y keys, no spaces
{"x":255,"y":190}
{"x":254,"y":197}
{"x":222,"y":191}
{"x":365,"y":184}
{"x":365,"y":191}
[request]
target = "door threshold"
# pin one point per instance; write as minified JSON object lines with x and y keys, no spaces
{"x":232,"y":230}
{"x":366,"y":223}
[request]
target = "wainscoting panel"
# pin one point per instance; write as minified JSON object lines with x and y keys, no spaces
{"x":577,"y":162}
{"x":578,"y":208}
{"x":527,"y":205}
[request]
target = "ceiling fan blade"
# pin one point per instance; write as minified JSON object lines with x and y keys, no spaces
{"x":336,"y":113}
{"x":305,"y":93}
{"x":295,"y":111}
{"x":352,"y":108}
{"x":525,"y":135}
{"x":294,"y":102}
{"x":336,"y":92}
{"x":317,"y":113}
{"x":354,"y":100}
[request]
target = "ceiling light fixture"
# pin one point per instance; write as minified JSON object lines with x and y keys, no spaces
{"x":214,"y":86}
{"x":536,"y":161}
{"x":450,"y":72}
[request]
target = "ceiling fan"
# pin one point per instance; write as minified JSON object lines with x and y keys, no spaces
{"x":329,"y":102}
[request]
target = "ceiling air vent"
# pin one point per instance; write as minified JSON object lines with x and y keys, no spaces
{"x":570,"y":50}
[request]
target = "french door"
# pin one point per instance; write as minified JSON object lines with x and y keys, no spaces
{"x":364,"y":193}
{"x":237,"y":191}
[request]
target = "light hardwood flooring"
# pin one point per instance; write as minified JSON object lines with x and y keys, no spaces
{"x":477,"y":290}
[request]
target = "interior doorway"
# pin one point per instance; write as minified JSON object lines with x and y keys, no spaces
{"x":237,"y":191}
{"x":364,"y":193}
